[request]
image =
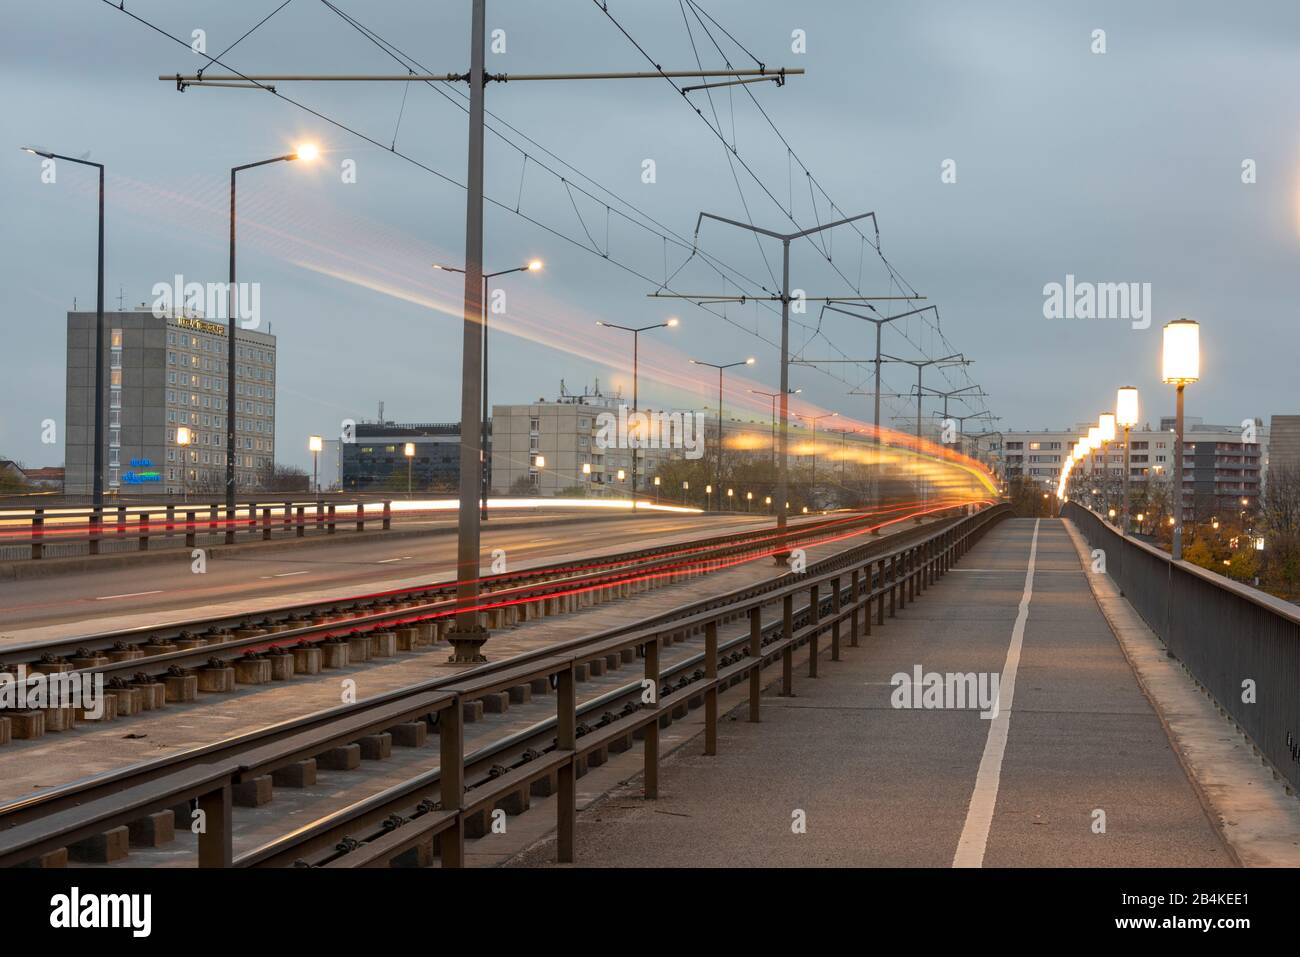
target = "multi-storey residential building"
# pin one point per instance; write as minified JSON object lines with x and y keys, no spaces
{"x":164,"y":373}
{"x":1220,"y":464}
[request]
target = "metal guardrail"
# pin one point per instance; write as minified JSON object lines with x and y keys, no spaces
{"x":30,"y":532}
{"x":844,"y":591}
{"x":1224,"y":632}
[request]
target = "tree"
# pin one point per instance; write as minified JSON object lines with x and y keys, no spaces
{"x":284,"y":478}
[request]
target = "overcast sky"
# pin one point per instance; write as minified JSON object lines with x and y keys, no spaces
{"x":1123,"y":166}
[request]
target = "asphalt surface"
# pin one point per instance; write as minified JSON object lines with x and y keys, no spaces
{"x":87,"y":598}
{"x":885,"y":786}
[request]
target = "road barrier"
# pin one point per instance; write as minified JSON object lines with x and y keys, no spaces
{"x":1238,"y":643}
{"x":31,"y":532}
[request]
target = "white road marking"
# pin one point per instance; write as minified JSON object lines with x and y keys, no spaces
{"x":134,"y":594}
{"x":288,"y":574}
{"x":385,"y":561}
{"x":983,"y":800}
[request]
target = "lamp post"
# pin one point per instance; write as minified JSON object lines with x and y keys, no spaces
{"x":774,"y":396}
{"x":306,"y":152}
{"x":636,"y":361}
{"x":409,"y":451}
{"x":1106,"y":427}
{"x":183,"y":438}
{"x":686,"y":488}
{"x":534,"y":265}
{"x":1181,"y":364}
{"x":97,"y":482}
{"x":314,"y":444}
{"x":657,"y":489}
{"x":717,"y":469}
{"x":813,"y":419}
{"x":1126,"y":416}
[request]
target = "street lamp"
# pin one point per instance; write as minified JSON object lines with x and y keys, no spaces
{"x":774,"y":396}
{"x":1106,"y":427}
{"x":314,"y":444}
{"x":813,"y":419}
{"x":409,"y":451}
{"x":717,"y":468}
{"x":183,"y":438}
{"x":97,"y":482}
{"x":656,"y":489}
{"x":686,"y":487}
{"x":533,"y":265}
{"x":1126,"y":416}
{"x":670,"y":323}
{"x":1181,"y":364}
{"x":306,"y":152}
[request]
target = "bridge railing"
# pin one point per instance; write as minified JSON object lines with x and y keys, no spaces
{"x":36,"y":533}
{"x":1241,"y":644}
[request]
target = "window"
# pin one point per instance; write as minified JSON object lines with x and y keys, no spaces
{"x":115,"y":339}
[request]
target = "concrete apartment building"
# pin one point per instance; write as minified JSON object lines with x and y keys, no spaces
{"x":162,"y":372}
{"x":1284,"y":441}
{"x":564,"y":433}
{"x":1217,"y":463}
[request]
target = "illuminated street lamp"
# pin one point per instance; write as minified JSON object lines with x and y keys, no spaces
{"x":636,"y":331}
{"x":533,"y":265}
{"x":409,"y":451}
{"x":717,"y":472}
{"x":183,"y":438}
{"x":774,"y":396}
{"x":1180,"y":364}
{"x":1126,"y":416}
{"x":314,"y":445}
{"x":305,"y":152}
{"x":656,"y":489}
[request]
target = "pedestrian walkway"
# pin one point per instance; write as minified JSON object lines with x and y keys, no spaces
{"x":1075,"y":769}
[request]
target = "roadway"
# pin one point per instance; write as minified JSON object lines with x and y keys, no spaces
{"x":1075,"y":739}
{"x":120,"y":594}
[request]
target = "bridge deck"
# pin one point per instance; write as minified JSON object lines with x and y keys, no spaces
{"x":887,"y":787}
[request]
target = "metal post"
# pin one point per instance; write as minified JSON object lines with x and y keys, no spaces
{"x":483,"y":422}
{"x":216,"y":847}
{"x":1177,"y":493}
{"x":652,"y":729}
{"x":451,"y":780}
{"x":756,"y":661}
{"x":98,"y":486}
{"x":717,"y":469}
{"x":636,"y":358}
{"x":787,"y":653}
{"x":814,"y":616}
{"x":782,"y":473}
{"x":467,"y":635}
{"x":711,"y":695}
{"x":566,"y":804}
{"x":1127,"y":442}
{"x":231,"y":365}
